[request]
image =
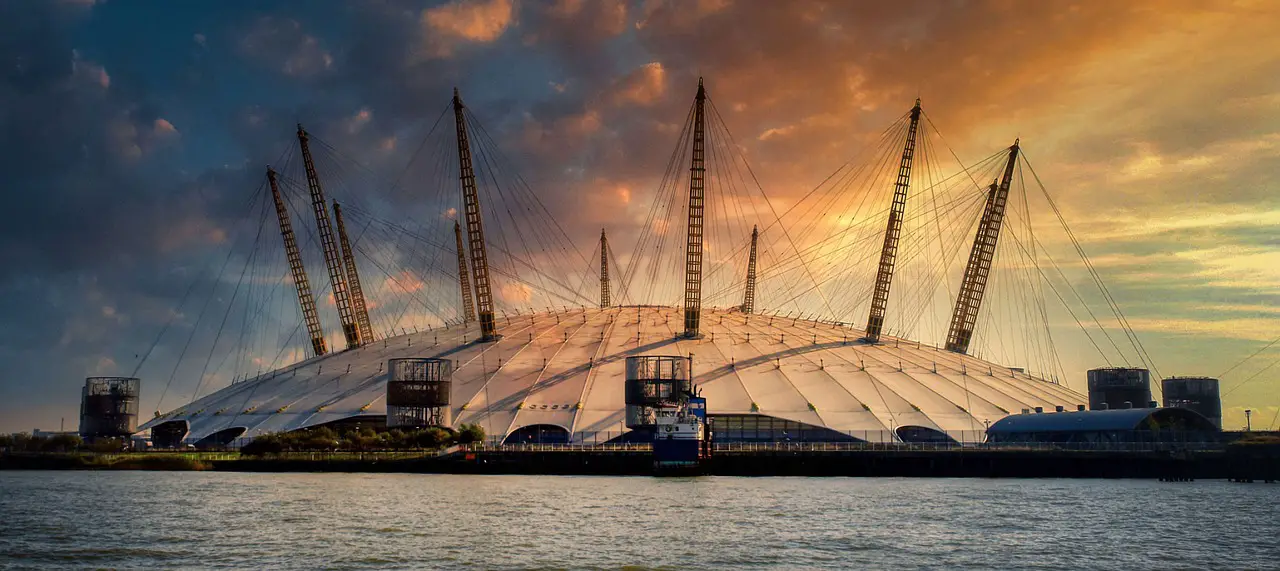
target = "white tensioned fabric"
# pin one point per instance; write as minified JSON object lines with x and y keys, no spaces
{"x":566,"y":369}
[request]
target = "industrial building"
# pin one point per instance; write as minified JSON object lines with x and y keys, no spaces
{"x":1200,"y":394}
{"x":109,"y":407}
{"x":1104,"y":427}
{"x":1119,"y":387}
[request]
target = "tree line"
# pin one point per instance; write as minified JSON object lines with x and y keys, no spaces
{"x":23,"y":442}
{"x":326,"y":439}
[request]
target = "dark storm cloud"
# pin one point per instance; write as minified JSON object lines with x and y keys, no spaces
{"x":83,"y":159}
{"x":100,"y":235}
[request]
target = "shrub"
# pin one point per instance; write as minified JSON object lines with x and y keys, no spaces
{"x":365,"y":439}
{"x":265,"y":444}
{"x":158,"y":462}
{"x":470,"y":433}
{"x":106,"y":445}
{"x":314,"y":442}
{"x":1257,"y":440}
{"x":433,"y":438}
{"x":58,"y":443}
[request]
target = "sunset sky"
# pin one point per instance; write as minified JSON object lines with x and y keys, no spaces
{"x":131,"y":134}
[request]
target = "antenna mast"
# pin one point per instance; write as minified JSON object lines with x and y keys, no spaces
{"x":468,"y":307}
{"x":353,"y":279}
{"x":604,"y":271}
{"x":693,"y":250}
{"x":749,"y":298}
{"x":350,"y":330}
{"x":884,"y":276}
{"x":976,"y":272}
{"x":305,"y":299}
{"x":475,"y":229}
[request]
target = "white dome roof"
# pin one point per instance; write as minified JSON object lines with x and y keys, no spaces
{"x":566,"y":369}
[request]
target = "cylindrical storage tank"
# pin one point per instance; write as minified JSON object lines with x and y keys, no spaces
{"x":1113,"y":387}
{"x":1195,"y":393}
{"x":418,"y":392}
{"x":109,"y":407}
{"x":653,"y":380}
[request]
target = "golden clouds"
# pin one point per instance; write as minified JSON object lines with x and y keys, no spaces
{"x":567,"y":129}
{"x":776,"y":132}
{"x":645,"y":85}
{"x":678,"y":13}
{"x":163,"y":127}
{"x":515,"y":293}
{"x":1149,"y":163}
{"x":465,"y":20}
{"x":606,"y":17}
{"x":403,"y":282}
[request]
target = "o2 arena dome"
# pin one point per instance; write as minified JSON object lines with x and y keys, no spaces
{"x":561,"y":374}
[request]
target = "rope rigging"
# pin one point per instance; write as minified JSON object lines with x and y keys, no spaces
{"x":422,"y":251}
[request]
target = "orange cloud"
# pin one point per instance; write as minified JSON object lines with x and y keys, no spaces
{"x":357,"y":121}
{"x":562,"y":131}
{"x":515,"y":293}
{"x":88,"y":71}
{"x":645,"y":85}
{"x":465,"y":20}
{"x":164,"y":127}
{"x":406,"y":282}
{"x":195,"y":232}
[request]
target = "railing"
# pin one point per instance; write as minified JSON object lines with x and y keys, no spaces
{"x":939,"y":446}
{"x":735,"y":447}
{"x":202,"y":456}
{"x":645,"y":447}
{"x":564,"y":447}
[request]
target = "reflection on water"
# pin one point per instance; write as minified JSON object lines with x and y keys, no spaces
{"x":59,"y":520}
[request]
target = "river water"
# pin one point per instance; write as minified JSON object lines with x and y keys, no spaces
{"x":162,"y":520}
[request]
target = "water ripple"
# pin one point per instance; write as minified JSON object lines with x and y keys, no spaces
{"x":59,"y":520}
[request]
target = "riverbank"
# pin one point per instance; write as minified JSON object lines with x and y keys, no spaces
{"x":1252,"y":464}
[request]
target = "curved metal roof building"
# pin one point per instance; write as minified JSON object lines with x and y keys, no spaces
{"x":1101,"y":421}
{"x":563,"y":371}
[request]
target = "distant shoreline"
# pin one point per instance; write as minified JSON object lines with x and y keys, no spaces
{"x":1257,"y":464}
